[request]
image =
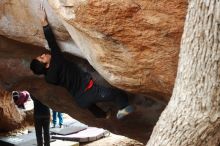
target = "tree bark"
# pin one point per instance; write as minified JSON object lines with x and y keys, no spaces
{"x":192,"y":116}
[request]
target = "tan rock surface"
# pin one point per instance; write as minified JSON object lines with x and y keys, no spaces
{"x":19,"y":21}
{"x":11,"y":117}
{"x":114,"y":140}
{"x":134,"y":45}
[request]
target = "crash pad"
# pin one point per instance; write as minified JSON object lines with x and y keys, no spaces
{"x":87,"y":135}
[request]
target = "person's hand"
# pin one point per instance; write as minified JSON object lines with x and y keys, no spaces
{"x":42,"y":15}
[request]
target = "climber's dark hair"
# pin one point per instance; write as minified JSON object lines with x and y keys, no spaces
{"x":38,"y":67}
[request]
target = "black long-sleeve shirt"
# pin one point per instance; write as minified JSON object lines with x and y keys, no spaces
{"x":62,"y":71}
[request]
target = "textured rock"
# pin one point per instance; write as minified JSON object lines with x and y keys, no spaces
{"x":114,"y":140}
{"x":134,"y":45}
{"x":11,"y":117}
{"x":19,"y":21}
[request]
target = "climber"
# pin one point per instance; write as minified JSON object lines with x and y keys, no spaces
{"x":60,"y":71}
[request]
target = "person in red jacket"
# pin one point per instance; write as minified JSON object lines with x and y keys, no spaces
{"x":60,"y":71}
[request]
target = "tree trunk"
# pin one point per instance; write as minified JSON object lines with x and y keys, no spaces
{"x":192,"y":116}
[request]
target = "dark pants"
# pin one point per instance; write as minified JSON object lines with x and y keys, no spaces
{"x":102,"y":94}
{"x":42,"y":123}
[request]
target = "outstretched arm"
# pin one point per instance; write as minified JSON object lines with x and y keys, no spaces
{"x":48,"y":33}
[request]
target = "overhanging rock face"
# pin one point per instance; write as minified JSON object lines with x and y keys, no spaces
{"x":134,"y":45}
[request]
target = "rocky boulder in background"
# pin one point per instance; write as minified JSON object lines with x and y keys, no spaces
{"x":134,"y":45}
{"x":11,"y":117}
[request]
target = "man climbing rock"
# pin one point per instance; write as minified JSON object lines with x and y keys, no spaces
{"x":60,"y":71}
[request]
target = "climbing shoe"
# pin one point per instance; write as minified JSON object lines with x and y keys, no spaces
{"x":124,"y":112}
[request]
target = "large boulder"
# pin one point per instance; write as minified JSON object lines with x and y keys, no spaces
{"x":134,"y":45}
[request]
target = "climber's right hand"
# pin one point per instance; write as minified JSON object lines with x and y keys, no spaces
{"x":42,"y":15}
